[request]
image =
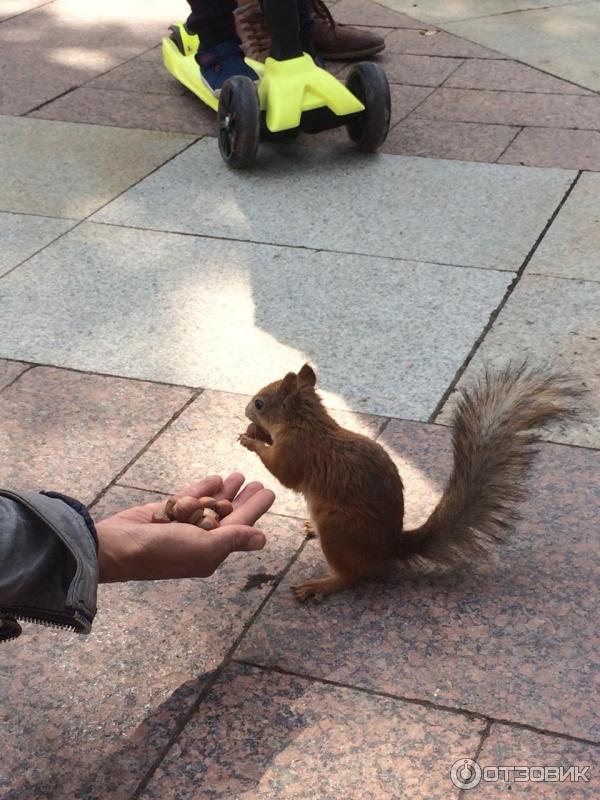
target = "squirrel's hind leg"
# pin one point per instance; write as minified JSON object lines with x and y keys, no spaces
{"x":320,"y":587}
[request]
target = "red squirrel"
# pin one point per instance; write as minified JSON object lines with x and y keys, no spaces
{"x":353,"y":489}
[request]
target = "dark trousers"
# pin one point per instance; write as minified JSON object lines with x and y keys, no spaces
{"x":291,"y":23}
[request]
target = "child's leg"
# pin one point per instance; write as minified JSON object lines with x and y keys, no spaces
{"x":220,"y":56}
{"x":283,"y":22}
{"x":307,"y":24}
{"x":212,"y":20}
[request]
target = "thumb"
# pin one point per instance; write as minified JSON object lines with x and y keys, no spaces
{"x":239,"y":538}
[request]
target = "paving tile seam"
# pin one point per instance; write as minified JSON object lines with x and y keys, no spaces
{"x":86,"y":81}
{"x":15,"y":379}
{"x":447,"y":78}
{"x":149,"y":443}
{"x":499,"y":57}
{"x":125,"y":90}
{"x":515,"y":91}
{"x":299,"y":246}
{"x":227,"y":660}
{"x":385,"y":419}
{"x":517,"y":132}
{"x":462,"y":795}
{"x":416,"y":701}
{"x":33,"y":213}
{"x":592,"y":92}
{"x":86,"y":218}
{"x":507,"y":125}
{"x":39,"y":250}
{"x":111,"y":375}
{"x":513,"y":12}
{"x":495,"y":313}
{"x":27,"y":11}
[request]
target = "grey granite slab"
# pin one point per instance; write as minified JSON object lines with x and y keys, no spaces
{"x":22,"y":235}
{"x":571,"y":248}
{"x":386,"y":337}
{"x":442,"y":11}
{"x":553,"y":322}
{"x":64,"y":169}
{"x":482,"y":215}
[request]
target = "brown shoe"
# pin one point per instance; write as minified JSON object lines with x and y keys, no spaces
{"x":251,"y":27}
{"x":336,"y":42}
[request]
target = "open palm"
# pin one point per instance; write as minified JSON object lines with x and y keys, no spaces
{"x":132,"y":547}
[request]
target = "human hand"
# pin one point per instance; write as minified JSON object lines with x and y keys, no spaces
{"x":132,"y":547}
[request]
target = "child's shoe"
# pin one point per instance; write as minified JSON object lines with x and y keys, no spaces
{"x":221,"y":62}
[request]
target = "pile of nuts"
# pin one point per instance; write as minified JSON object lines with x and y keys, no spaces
{"x":204,"y":512}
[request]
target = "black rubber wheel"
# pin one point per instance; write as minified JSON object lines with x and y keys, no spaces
{"x":368,"y":82}
{"x":239,"y":122}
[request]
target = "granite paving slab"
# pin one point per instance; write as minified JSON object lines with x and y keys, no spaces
{"x":571,"y":248}
{"x":554,"y":322}
{"x":10,"y":8}
{"x":560,"y":38}
{"x":47,"y":167}
{"x":153,"y":111}
{"x":516,"y":640}
{"x":365,"y":13}
{"x":262,"y":735}
{"x":443,"y":11}
{"x":23,"y":235}
{"x":506,"y":75}
{"x":89,"y":716}
{"x":513,"y":108}
{"x":409,"y":207}
{"x":384,"y":335}
{"x":433,"y":42}
{"x":418,"y":70}
{"x":9,"y":371}
{"x":466,"y":141}
{"x":555,"y":147}
{"x":512,"y":747}
{"x":203,"y":441}
{"x":73,"y":433}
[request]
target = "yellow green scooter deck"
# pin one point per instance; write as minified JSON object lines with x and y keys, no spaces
{"x":286,"y":89}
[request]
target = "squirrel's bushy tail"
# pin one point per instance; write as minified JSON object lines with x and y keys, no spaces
{"x":493,"y":445}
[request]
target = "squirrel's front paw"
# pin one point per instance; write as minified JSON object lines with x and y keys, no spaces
{"x":249,"y":443}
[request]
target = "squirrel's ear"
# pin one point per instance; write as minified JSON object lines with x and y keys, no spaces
{"x":307,"y":377}
{"x":289,"y":384}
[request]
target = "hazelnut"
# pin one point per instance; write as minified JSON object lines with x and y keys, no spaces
{"x":208,"y":524}
{"x":223,"y":508}
{"x":207,"y":502}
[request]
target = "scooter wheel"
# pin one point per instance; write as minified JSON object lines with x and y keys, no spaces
{"x":239,"y":122}
{"x":368,"y":82}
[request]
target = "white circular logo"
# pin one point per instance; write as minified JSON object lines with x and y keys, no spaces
{"x":465,"y":773}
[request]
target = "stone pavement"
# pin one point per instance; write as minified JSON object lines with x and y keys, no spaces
{"x":146,"y":291}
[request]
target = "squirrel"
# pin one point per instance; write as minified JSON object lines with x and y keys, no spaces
{"x":353,"y":489}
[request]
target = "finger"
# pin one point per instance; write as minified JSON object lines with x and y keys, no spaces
{"x":256,"y":505}
{"x":205,"y":487}
{"x":246,"y":493}
{"x":231,"y":486}
{"x":238,"y":538}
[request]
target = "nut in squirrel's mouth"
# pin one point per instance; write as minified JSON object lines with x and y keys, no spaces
{"x":254,"y":431}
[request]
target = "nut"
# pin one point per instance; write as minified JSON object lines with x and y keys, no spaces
{"x":207,"y":502}
{"x":197,"y":517}
{"x":169,"y":506}
{"x":223,"y":508}
{"x":208,"y":524}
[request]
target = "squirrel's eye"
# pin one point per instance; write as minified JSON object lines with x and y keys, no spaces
{"x":258,"y":403}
